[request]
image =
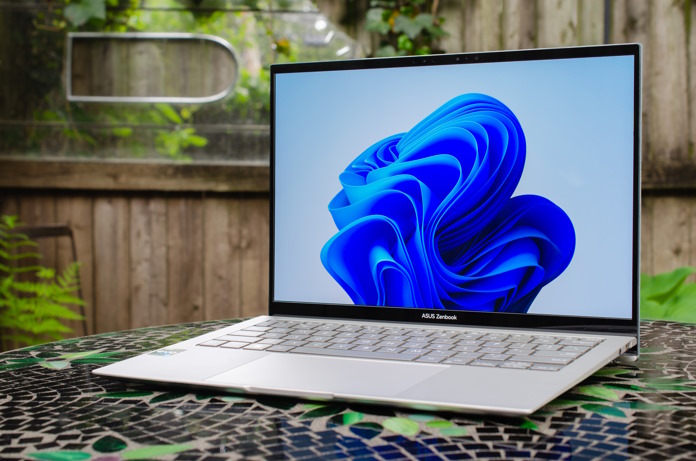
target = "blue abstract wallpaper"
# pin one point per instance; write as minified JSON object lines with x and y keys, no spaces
{"x":428,"y":219}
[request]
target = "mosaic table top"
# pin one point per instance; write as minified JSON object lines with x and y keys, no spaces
{"x":53,"y":408}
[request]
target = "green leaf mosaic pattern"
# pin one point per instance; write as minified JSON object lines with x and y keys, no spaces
{"x":634,"y":411}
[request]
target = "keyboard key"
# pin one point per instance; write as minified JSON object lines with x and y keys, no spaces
{"x":496,"y":357}
{"x":212,"y":343}
{"x":364,"y":348}
{"x":239,"y":339}
{"x":456,"y":361}
{"x":547,"y":360}
{"x":516,"y":365}
{"x":293,"y":343}
{"x":319,"y":344}
{"x":578,"y":342}
{"x":570,"y":354}
{"x":441,"y":353}
{"x":545,"y":367}
{"x":393,"y":350}
{"x":484,"y":363}
{"x":468,"y":355}
{"x":249,"y":333}
{"x":547,"y":347}
{"x":581,"y":349}
{"x":257,"y":347}
{"x":278,"y":348}
{"x":430,"y":359}
{"x":338,"y":346}
{"x":233,"y":345}
{"x":256,"y":328}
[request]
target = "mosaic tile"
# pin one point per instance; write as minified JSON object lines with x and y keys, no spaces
{"x":61,"y":411}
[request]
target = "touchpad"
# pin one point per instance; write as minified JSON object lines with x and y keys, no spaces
{"x":338,"y":376}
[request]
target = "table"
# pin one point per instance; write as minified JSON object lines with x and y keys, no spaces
{"x":53,"y":408}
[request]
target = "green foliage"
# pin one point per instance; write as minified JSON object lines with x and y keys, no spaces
{"x":33,"y":298}
{"x":668,"y":296}
{"x":405,"y":26}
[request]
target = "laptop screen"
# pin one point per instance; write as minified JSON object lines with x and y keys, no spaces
{"x":482,"y":184}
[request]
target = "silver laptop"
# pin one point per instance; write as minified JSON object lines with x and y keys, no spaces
{"x":454,"y":232}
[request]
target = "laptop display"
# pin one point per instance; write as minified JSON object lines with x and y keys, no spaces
{"x":458,"y":187}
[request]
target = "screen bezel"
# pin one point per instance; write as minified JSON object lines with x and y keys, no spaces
{"x":412,"y":315}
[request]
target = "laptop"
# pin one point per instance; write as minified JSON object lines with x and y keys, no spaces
{"x":453,"y":232}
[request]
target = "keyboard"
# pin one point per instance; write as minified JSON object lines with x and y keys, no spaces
{"x":542,"y":352}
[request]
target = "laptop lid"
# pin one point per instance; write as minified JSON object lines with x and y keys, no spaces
{"x":488,"y":189}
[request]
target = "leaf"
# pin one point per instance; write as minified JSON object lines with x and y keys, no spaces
{"x":645,"y":406}
{"x":122,"y":132}
{"x":408,"y":26}
{"x":681,"y":306}
{"x":196,"y":141}
{"x":661,"y":287}
{"x":403,"y":426}
{"x":612,"y":372}
{"x":327,"y":410}
{"x":78,"y":13}
{"x":439,"y":424}
{"x":454,"y":431}
{"x":604,"y":410}
{"x":169,"y":112}
{"x":421,"y":417}
{"x":78,"y":355}
{"x":375,"y":21}
{"x":599,"y":392}
{"x":55,"y":364}
{"x":155,"y":451}
{"x":59,"y":455}
{"x":529,"y":424}
{"x":109,"y":444}
{"x":167,"y":396}
{"x":346,"y":419}
{"x":669,"y":387}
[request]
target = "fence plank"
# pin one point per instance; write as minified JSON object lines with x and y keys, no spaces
{"x":111,"y":264}
{"x":519,"y":24}
{"x":692,"y":81}
{"x":590,"y":22}
{"x":630,"y":24}
{"x":221,"y":258}
{"x":40,"y":210}
{"x":148,"y":262}
{"x":646,"y":235}
{"x":671,"y":243}
{"x":668,"y":115}
{"x":76,"y":212}
{"x":483,"y":20}
{"x":185,"y":259}
{"x":557,"y":22}
{"x":254,"y":256}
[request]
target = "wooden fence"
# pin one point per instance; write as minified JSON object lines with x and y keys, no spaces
{"x":191,"y":246}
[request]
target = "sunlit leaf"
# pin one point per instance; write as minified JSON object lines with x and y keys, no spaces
{"x":403,"y":426}
{"x":61,"y":455}
{"x":604,"y":410}
{"x":599,"y":392}
{"x":327,"y":410}
{"x":155,"y":451}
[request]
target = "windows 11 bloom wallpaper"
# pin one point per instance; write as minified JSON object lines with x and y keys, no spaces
{"x":427,"y":218}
